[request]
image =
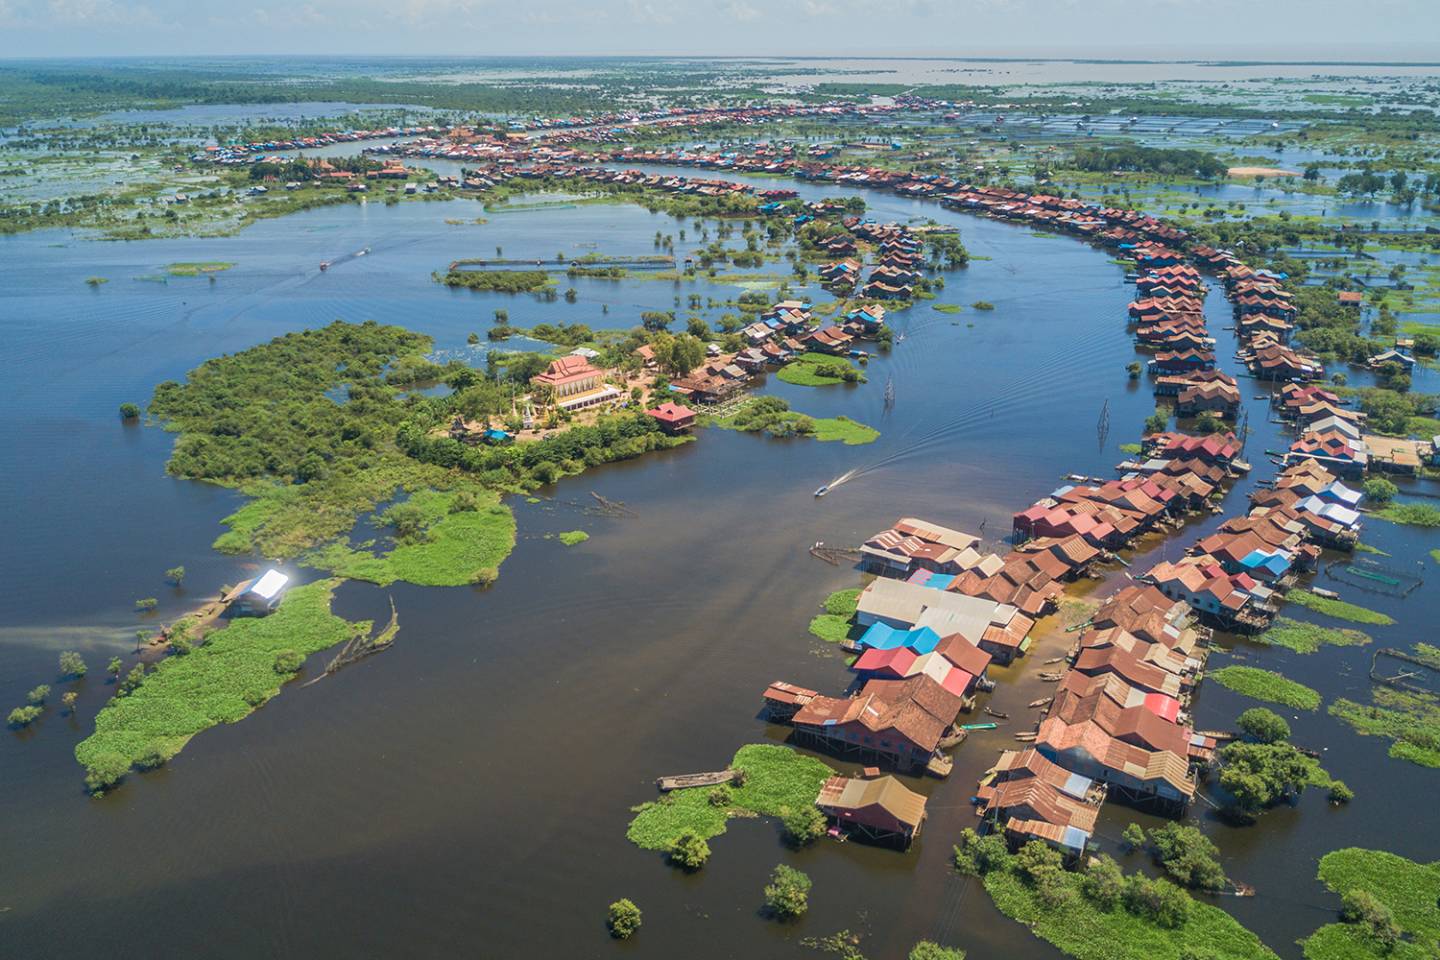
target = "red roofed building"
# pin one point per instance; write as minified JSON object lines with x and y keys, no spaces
{"x":672,"y":417}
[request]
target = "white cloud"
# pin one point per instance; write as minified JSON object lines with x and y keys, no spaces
{"x":100,"y":12}
{"x":741,"y":11}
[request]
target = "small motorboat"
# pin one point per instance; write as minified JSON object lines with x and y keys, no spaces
{"x":824,"y":489}
{"x":324,"y":265}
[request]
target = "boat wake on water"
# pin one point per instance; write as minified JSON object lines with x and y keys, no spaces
{"x":978,"y":411}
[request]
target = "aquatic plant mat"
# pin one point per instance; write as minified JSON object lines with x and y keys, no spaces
{"x":1404,"y":707}
{"x":1407,"y":889}
{"x":1268,"y":686}
{"x":1082,"y":928}
{"x":220,"y":681}
{"x":1339,"y":609}
{"x":833,"y":626}
{"x":1304,"y":637}
{"x":779,"y":781}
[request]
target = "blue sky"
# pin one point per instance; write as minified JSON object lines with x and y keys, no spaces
{"x":1231,"y":29}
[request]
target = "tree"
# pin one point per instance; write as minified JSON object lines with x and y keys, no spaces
{"x":1264,"y":725}
{"x":721,"y":796}
{"x":1364,"y":908}
{"x":129,"y":411}
{"x":1188,"y":856}
{"x":146,"y":605}
{"x":930,"y":950}
{"x":23,"y":716}
{"x":1340,"y":793}
{"x":804,"y":826}
{"x":175,"y":575}
{"x":623,"y":919}
{"x":152,"y":757}
{"x":1158,"y":900}
{"x":1157,"y":421}
{"x":113,"y":668}
{"x":1133,"y":368}
{"x":657,"y":320}
{"x":288,"y":661}
{"x":1104,"y":882}
{"x":68,"y":700}
{"x":685,"y":353}
{"x":105,"y":771}
{"x":976,"y":855}
{"x":408,"y":521}
{"x":132,"y":680}
{"x":1134,"y":836}
{"x":1380,"y":490}
{"x":39,"y":695}
{"x":689,"y":850}
{"x":787,"y":895}
{"x":71,"y":665}
{"x":1260,"y":775}
{"x":1208,"y":423}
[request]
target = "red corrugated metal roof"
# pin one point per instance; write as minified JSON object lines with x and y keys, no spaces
{"x":1167,"y":708}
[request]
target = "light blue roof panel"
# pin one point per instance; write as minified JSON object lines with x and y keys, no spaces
{"x":1077,"y":786}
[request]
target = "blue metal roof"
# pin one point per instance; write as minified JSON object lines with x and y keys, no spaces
{"x":882,"y":636}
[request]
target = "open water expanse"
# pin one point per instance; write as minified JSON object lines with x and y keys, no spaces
{"x":467,"y":793}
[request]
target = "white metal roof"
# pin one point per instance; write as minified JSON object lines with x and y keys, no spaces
{"x":269,"y":586}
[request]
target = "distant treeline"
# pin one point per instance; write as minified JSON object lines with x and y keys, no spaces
{"x":1137,"y":159}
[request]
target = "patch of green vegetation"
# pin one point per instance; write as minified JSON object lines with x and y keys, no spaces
{"x":1132,"y":449}
{"x":499,"y":281}
{"x":1103,"y":914}
{"x":1308,"y":637}
{"x":96,"y":281}
{"x":830,"y":628}
{"x":448,"y":539}
{"x":983,"y":305}
{"x":572,"y":537}
{"x":220,"y":681}
{"x":1435,"y":555}
{"x":1339,"y":609}
{"x":1410,"y":719}
{"x":1267,"y":685}
{"x":773,"y":416}
{"x":1367,"y":548}
{"x":317,"y":429}
{"x":1415,"y":514}
{"x":195,"y":269}
{"x":1390,"y":907}
{"x":777,"y":782}
{"x":843,"y":603}
{"x":1352,"y":941}
{"x":946,"y":307}
{"x":819,"y":370}
{"x":833,"y":626}
{"x":842,"y":428}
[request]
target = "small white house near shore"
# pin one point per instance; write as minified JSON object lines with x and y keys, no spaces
{"x":263,"y":595}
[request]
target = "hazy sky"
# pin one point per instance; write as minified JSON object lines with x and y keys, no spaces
{"x":1232,"y":29}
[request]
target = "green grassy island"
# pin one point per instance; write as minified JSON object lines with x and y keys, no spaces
{"x":777,"y":781}
{"x":234,"y":672}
